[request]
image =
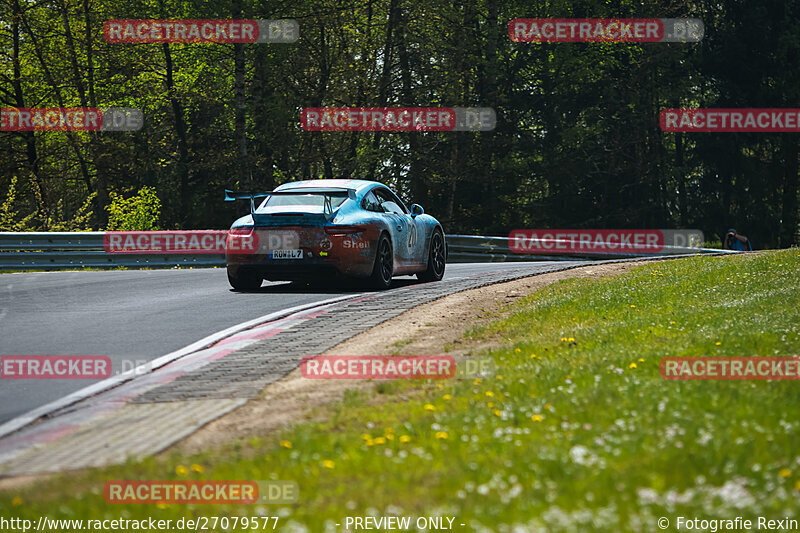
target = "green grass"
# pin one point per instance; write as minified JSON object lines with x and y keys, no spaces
{"x":585,"y":436}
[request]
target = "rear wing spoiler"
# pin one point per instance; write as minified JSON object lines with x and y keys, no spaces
{"x":328,"y":192}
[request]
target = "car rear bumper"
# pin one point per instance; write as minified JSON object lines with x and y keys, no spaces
{"x":323,"y":254}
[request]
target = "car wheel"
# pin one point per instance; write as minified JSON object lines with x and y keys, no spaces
{"x":436,"y":259}
{"x":244,"y":280}
{"x":383,"y":268}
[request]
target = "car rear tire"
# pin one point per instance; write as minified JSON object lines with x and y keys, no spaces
{"x":436,"y":259}
{"x":245,"y":280}
{"x":383,"y":268}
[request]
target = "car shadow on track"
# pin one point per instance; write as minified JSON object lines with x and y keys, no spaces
{"x":326,"y":287}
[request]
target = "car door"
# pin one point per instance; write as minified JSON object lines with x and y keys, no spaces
{"x":404,"y":231}
{"x":415,"y":237}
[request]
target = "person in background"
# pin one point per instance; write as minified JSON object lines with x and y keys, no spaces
{"x":734,"y":241}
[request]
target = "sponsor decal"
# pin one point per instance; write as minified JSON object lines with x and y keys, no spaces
{"x":602,"y":241}
{"x":358,"y":244}
{"x":398,"y":119}
{"x":238,"y":240}
{"x":325,"y":244}
{"x":378,"y":367}
{"x":55,"y":366}
{"x":200,"y":492}
{"x":646,"y":30}
{"x":201,"y":31}
{"x":730,"y":120}
{"x":730,"y":368}
{"x":70,"y":119}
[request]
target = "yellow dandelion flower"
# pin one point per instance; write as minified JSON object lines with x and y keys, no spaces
{"x":785,"y":472}
{"x":181,"y":470}
{"x":429,"y":407}
{"x":197,"y":468}
{"x":563,"y":339}
{"x":633,"y":306}
{"x":490,"y":404}
{"x":388,"y":430}
{"x":327,"y":463}
{"x":286,"y":444}
{"x":632,"y":365}
{"x":390,"y":436}
{"x":447,"y":397}
{"x":797,"y":485}
{"x":477,"y":381}
{"x":718,"y":343}
{"x":17,"y":501}
{"x":548,"y":406}
{"x":405,"y":438}
{"x":441,"y":435}
{"x":369,"y":442}
{"x":517,"y":350}
{"x":438,"y":385}
{"x":497,"y":412}
{"x":641,"y":360}
{"x":571,"y":339}
{"x":366,"y":436}
{"x":537,"y":418}
{"x":380,"y":440}
{"x":534,"y":356}
{"x":498,"y":376}
{"x":489,"y":393}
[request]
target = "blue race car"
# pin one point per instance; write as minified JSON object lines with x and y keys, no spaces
{"x":307,"y":230}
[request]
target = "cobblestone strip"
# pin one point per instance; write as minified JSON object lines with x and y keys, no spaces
{"x":245,"y":373}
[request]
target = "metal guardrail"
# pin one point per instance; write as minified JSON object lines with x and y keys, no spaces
{"x":75,"y":250}
{"x":72,"y":250}
{"x":483,"y":249}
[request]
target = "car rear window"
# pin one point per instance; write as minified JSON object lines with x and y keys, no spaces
{"x":310,"y":199}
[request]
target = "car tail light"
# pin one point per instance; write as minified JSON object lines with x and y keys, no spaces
{"x":241,"y":241}
{"x":344,"y":229}
{"x":244,"y":230}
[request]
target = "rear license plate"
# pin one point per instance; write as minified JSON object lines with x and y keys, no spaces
{"x":286,"y":254}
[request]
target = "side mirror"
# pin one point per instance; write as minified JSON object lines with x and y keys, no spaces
{"x":416,"y":209}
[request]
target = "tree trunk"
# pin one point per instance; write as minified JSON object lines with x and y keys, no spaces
{"x":19,"y":96}
{"x":180,"y":132}
{"x":789,"y":204}
{"x":240,"y":104}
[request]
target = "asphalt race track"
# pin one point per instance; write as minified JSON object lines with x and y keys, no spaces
{"x":139,"y":315}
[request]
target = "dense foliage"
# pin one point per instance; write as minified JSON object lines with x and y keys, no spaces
{"x":577,"y":142}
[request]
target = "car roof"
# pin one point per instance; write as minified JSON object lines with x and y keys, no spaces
{"x":356,"y":185}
